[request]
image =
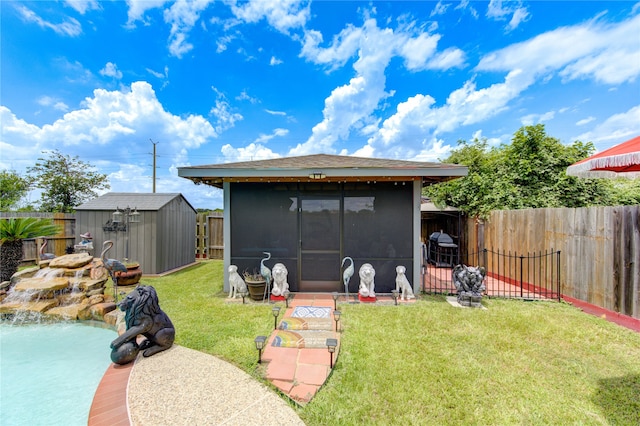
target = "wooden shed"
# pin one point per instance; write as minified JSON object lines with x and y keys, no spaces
{"x":156,"y":230}
{"x":310,"y":212}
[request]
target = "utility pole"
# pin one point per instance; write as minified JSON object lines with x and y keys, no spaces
{"x":154,"y":164}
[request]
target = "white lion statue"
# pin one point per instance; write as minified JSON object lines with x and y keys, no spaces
{"x":280,"y":285}
{"x":402,"y":283}
{"x":237,"y":286}
{"x":367,"y":285}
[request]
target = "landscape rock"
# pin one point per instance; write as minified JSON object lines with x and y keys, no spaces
{"x":42,"y":285}
{"x":69,"y":312}
{"x":71,"y":261}
{"x":91,"y":285}
{"x":100,"y":310}
{"x":39,"y":306}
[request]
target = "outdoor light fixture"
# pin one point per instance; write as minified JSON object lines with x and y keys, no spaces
{"x":244,"y":293}
{"x":120,"y":220}
{"x":117,"y":216}
{"x":287,"y":296}
{"x":331,"y":346}
{"x":336,"y":317}
{"x":260,"y":340}
{"x":275,"y":311}
{"x":335,"y":299}
{"x":317,"y":175}
{"x":394,"y":294}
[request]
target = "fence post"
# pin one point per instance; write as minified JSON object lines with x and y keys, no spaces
{"x":521,"y":275}
{"x":486,"y":266}
{"x":558,"y":269}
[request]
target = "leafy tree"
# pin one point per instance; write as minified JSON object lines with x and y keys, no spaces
{"x":12,"y":233}
{"x":13,"y":188}
{"x":65,"y":182}
{"x":528,"y":173}
{"x":626,"y":192}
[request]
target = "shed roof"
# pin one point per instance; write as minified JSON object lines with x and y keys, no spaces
{"x":140,"y":201}
{"x":326,"y":167}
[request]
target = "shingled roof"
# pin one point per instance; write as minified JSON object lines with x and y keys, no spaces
{"x":331,"y":167}
{"x":140,"y":201}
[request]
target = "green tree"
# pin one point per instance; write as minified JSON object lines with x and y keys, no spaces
{"x":65,"y":182}
{"x":530,"y":172}
{"x":626,"y":192}
{"x":12,"y":233}
{"x":13,"y":188}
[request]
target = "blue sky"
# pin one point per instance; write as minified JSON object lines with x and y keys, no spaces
{"x":223,"y":81}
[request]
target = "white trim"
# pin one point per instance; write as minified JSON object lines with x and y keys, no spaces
{"x":587,"y":168}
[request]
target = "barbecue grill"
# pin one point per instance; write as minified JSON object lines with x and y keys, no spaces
{"x":442,"y":251}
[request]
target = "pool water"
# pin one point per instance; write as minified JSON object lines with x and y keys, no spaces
{"x":50,"y":372}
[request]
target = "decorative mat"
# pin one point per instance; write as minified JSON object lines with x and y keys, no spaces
{"x":306,"y":324}
{"x":311,"y":312}
{"x":302,"y":339}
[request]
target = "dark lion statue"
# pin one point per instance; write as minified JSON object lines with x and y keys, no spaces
{"x":143,"y":316}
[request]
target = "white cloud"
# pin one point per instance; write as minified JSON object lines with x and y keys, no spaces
{"x":342,"y":48}
{"x":137,"y":9}
{"x":417,"y":50}
{"x":244,"y":96}
{"x":71,"y":27}
{"x":350,"y":107}
{"x":439,"y":9}
{"x":573,"y":51}
{"x":53,"y":102}
{"x":283,"y":15}
{"x":111,"y":118}
{"x":418,"y":121}
{"x":519,"y":15}
{"x":500,"y":11}
{"x":81,"y":6}
{"x":222,"y":111}
{"x":183,"y":15}
{"x":111,"y":70}
{"x":617,"y":128}
{"x":276,"y":133}
{"x":464,"y":5}
{"x":531,"y":119}
{"x":275,"y":61}
{"x":585,"y":121}
{"x":251,"y":152}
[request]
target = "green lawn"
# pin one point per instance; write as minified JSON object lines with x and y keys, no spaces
{"x":429,"y":363}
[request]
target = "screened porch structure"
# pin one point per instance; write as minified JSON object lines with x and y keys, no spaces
{"x":310,"y":212}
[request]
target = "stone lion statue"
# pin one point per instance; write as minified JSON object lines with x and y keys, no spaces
{"x":142,"y":316}
{"x":280,"y":284}
{"x":367,"y":285}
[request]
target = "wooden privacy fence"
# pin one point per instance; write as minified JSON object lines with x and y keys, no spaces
{"x":600,"y":249}
{"x":56,"y":244}
{"x":209,"y":235}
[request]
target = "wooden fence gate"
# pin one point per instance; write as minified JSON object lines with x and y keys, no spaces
{"x":209,"y":235}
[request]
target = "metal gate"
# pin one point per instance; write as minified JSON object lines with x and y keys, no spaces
{"x":534,"y":276}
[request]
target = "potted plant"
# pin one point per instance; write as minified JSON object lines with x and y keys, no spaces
{"x":255,"y":284}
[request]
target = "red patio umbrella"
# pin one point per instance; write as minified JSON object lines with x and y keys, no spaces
{"x":622,"y":160}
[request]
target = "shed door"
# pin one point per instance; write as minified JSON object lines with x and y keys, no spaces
{"x":320,"y":219}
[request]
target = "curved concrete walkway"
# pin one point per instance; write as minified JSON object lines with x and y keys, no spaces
{"x":181,"y":386}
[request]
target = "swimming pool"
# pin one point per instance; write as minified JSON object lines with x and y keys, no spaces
{"x":50,"y":372}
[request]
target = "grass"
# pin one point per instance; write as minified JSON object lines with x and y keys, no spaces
{"x":429,"y":363}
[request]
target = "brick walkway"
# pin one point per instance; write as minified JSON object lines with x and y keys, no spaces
{"x":300,"y":372}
